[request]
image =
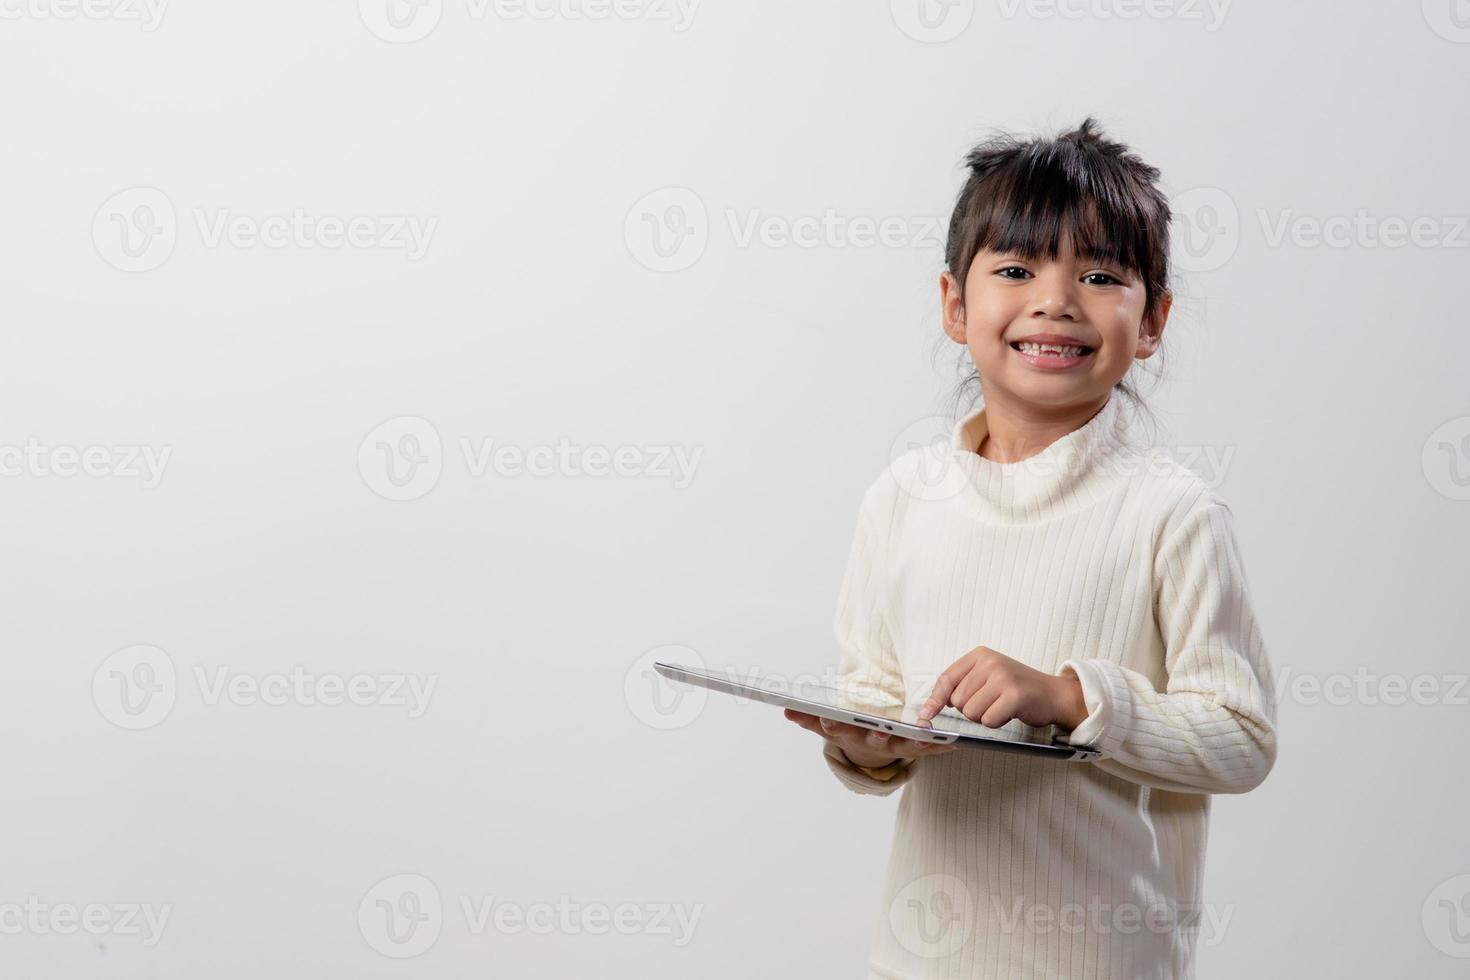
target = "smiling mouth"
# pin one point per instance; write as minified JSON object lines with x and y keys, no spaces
{"x":1053,"y":350}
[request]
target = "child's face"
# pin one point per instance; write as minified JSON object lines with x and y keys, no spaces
{"x":1008,"y":299}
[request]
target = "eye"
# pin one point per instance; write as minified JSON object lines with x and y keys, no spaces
{"x":1112,"y":280}
{"x":1011,"y":268}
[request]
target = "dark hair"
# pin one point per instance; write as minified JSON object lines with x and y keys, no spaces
{"x":1026,"y":195}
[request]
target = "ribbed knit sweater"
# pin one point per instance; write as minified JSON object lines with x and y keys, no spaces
{"x":1097,"y":556}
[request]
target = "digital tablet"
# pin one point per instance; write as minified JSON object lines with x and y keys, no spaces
{"x":828,"y":702}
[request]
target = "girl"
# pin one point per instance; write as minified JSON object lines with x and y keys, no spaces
{"x":1073,"y":577}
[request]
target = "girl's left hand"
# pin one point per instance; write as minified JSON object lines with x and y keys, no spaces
{"x":991,"y":688}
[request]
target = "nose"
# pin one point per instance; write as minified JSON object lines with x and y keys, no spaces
{"x":1052,"y":297}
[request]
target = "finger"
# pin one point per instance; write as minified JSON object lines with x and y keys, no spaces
{"x":809,"y":722}
{"x":980,"y":673}
{"x":911,"y":744}
{"x":839,"y":729}
{"x":853,"y":735}
{"x":1003,"y":710}
{"x":979,"y":702}
{"x":982,"y":670}
{"x":878,"y":741}
{"x":943,"y":687}
{"x":966,"y":689}
{"x":915,"y":748}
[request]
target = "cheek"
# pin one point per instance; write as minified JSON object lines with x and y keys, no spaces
{"x":985,"y":341}
{"x":988,"y":315}
{"x":1118,"y":330}
{"x":1116,"y":352}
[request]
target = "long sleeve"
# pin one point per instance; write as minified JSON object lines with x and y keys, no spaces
{"x":1213,"y":728}
{"x":869,"y":670}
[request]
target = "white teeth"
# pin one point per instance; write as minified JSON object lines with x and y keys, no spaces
{"x":1051,"y":349}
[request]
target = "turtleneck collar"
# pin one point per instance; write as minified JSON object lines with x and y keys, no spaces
{"x":1073,"y":470}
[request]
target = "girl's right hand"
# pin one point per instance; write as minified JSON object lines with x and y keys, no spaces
{"x":864,"y":746}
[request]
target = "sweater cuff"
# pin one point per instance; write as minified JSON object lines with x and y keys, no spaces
{"x":1100,"y":728}
{"x":881,"y":781}
{"x":882,"y":773}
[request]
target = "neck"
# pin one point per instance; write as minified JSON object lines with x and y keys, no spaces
{"x":1015,"y":431}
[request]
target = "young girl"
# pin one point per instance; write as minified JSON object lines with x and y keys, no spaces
{"x":1073,"y":577}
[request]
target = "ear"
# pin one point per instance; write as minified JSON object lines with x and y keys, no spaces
{"x":952,"y":307}
{"x":1151,"y":331}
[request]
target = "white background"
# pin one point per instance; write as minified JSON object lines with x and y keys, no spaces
{"x":538,"y":313}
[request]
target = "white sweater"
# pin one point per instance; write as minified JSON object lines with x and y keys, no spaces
{"x":1099,"y":556}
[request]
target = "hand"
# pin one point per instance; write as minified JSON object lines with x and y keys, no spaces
{"x":991,"y":688}
{"x":866,"y":746}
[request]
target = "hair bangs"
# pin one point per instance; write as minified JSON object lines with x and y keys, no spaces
{"x":1041,"y":205}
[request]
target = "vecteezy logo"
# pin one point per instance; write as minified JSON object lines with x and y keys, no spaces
{"x":1446,"y":917}
{"x":1450,"y":19}
{"x":135,"y":687}
{"x":401,"y":21}
{"x":135,"y":230}
{"x":667,"y":230}
{"x":401,"y":916}
{"x":933,"y":916}
{"x":1208,"y":230}
{"x":922,"y":461}
{"x":402,"y":458}
{"x":1446,"y":459}
{"x":657,"y":701}
{"x":932,"y":21}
